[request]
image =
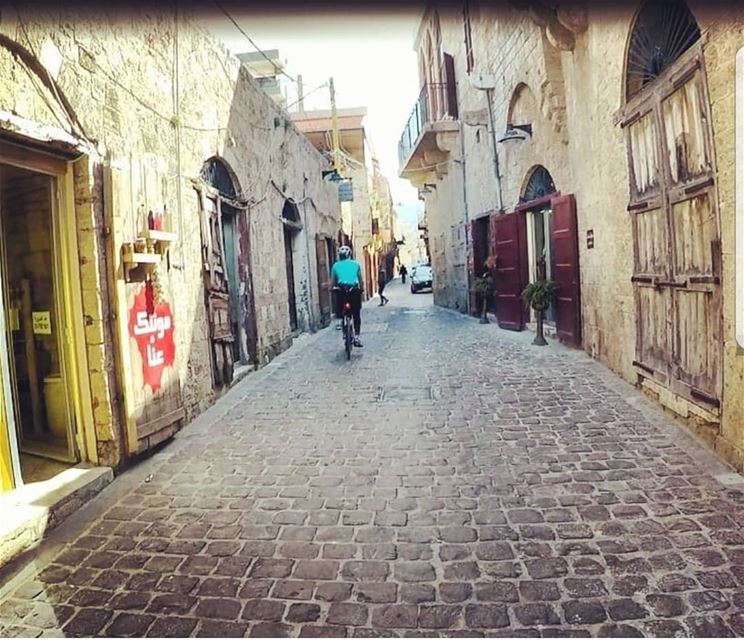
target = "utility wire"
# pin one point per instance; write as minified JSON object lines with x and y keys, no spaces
{"x":66,"y":109}
{"x":255,"y":46}
{"x":305,"y":95}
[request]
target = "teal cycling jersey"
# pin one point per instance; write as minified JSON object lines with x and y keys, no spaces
{"x":347,"y":272}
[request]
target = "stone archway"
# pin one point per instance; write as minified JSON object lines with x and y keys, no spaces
{"x":227,"y":280}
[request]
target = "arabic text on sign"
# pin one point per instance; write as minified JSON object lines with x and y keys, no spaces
{"x":42,"y":322}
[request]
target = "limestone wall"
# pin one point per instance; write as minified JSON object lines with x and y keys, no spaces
{"x":156,"y":97}
{"x":725,"y":35}
{"x":570,"y":98}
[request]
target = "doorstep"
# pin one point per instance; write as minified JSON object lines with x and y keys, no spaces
{"x":241,"y":372}
{"x":32,"y":510}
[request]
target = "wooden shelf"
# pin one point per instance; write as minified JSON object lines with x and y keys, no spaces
{"x":141,"y":258}
{"x":131,"y":261}
{"x":159,"y":240}
{"x":160,"y":236}
{"x":157,"y":243}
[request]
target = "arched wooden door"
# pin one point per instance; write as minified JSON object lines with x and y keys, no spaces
{"x":674,"y":213}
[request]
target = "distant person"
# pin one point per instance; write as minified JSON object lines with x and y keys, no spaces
{"x":403,"y":273}
{"x":381,"y":282}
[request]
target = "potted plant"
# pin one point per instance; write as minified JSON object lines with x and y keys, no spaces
{"x":484,"y":287}
{"x":540,"y":294}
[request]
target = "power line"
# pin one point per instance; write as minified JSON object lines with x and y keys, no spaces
{"x":255,"y":46}
{"x":305,"y":95}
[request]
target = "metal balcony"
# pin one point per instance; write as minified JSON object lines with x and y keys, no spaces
{"x":425,"y":145}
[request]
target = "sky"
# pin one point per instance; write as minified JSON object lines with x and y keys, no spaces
{"x":369,"y":56}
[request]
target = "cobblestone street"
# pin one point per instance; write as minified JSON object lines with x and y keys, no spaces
{"x":452,"y":479}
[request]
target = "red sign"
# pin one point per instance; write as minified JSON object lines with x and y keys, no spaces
{"x":151,"y":325}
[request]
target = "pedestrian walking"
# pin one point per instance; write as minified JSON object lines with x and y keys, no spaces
{"x":403,"y":273}
{"x":381,"y":282}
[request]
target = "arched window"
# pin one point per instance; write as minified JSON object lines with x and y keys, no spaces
{"x":539,"y":184}
{"x":662,"y":32}
{"x":290,"y":212}
{"x":216,"y":174}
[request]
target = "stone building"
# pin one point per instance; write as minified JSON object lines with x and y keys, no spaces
{"x":601,"y":138}
{"x":165,"y":227}
{"x":367,"y":220}
{"x":384,"y":222}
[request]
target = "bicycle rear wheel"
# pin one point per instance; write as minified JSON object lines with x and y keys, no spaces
{"x":348,"y":336}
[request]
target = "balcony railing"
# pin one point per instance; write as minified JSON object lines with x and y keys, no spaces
{"x":435,"y":103}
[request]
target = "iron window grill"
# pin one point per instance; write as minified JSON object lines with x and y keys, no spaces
{"x":539,"y":185}
{"x":662,"y":32}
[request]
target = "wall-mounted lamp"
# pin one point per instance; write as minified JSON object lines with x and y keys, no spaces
{"x":516,"y":132}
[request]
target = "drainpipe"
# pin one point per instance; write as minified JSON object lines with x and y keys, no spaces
{"x":309,"y":299}
{"x":487,"y":83}
{"x":499,"y":201}
{"x":465,"y":215}
{"x":176,"y":122}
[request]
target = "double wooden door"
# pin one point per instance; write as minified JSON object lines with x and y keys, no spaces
{"x":676,"y":233}
{"x":509,"y":245}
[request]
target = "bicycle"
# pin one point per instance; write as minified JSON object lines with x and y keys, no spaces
{"x":347,"y":321}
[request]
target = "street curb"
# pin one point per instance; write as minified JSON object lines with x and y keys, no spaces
{"x":33,"y":511}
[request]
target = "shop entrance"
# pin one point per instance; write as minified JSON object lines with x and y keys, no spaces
{"x":39,"y":397}
{"x":539,"y":248}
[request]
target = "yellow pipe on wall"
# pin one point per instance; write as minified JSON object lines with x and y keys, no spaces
{"x":6,"y":465}
{"x":76,"y":357}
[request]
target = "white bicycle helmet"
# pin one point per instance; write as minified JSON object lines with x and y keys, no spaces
{"x":344,"y":252}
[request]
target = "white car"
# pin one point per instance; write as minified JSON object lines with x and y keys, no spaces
{"x":421,"y":278}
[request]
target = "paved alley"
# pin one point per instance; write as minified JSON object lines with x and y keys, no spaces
{"x":451,"y":479}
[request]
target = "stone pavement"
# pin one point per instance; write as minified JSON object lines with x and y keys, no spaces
{"x":450,"y":480}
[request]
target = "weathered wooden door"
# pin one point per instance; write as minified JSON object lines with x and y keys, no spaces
{"x":676,"y":233}
{"x":511,"y":260}
{"x":324,"y":278}
{"x":230,"y":246}
{"x":216,"y":286}
{"x":145,"y":320}
{"x":564,"y":249}
{"x":289,"y":262}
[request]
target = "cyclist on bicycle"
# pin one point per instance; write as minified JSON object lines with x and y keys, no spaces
{"x":346,"y":274}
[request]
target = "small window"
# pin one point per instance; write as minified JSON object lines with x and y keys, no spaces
{"x":450,"y":87}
